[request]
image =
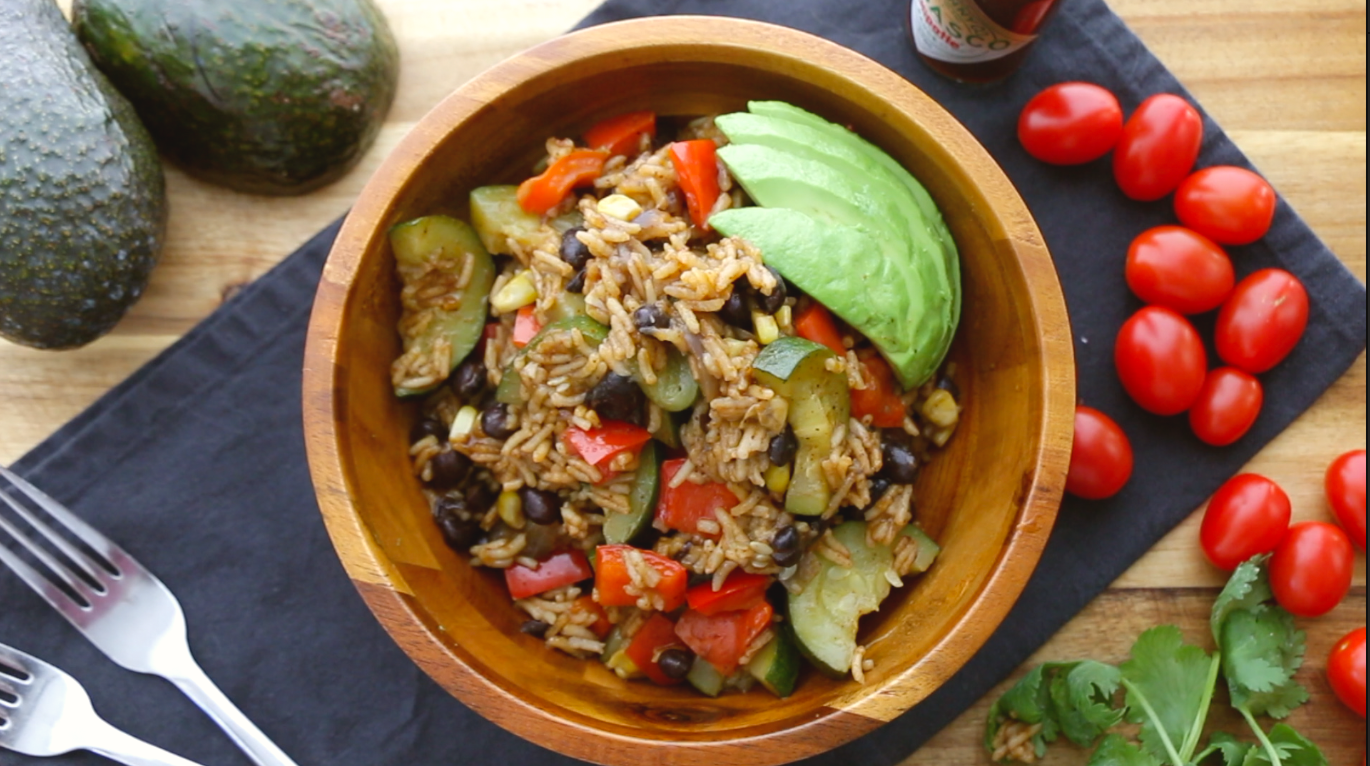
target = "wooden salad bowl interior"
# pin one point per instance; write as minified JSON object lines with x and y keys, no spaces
{"x":990,"y":498}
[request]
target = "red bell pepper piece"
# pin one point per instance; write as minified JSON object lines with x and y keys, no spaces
{"x":723,"y":638}
{"x":683,"y":507}
{"x":817,"y":325}
{"x":880,"y":398}
{"x":565,"y":568}
{"x":696,"y":167}
{"x":612,"y":579}
{"x":656,"y":636}
{"x":526,"y":326}
{"x":621,"y":134}
{"x":740,"y":592}
{"x":600,"y":445}
{"x":601,"y":627}
{"x":544,"y":192}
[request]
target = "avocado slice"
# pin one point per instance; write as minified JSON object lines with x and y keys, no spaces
{"x":825,"y":615}
{"x":841,"y":151}
{"x":856,"y":171}
{"x":84,"y":209}
{"x":262,"y":96}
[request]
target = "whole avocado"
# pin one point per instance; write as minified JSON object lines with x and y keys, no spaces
{"x":262,"y":96}
{"x":82,"y":200}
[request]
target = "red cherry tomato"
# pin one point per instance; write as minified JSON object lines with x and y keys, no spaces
{"x":1248,"y":516}
{"x":1346,"y":492}
{"x":1263,"y":321}
{"x":1180,"y":269}
{"x":1346,"y":670}
{"x":1070,"y":123}
{"x":1161,"y":361}
{"x":1228,"y":406}
{"x":1312,"y":568}
{"x":1227,"y":204}
{"x":1101,"y":457}
{"x":1158,"y":148}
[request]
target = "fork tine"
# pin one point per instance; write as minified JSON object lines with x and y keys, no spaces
{"x":92,"y":569}
{"x":54,"y":595}
{"x":83,"y":531}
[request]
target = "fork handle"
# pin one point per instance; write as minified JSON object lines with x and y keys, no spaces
{"x":193,"y":682}
{"x":127,"y":749}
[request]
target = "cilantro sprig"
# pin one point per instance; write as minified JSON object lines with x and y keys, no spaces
{"x":1167,"y":687}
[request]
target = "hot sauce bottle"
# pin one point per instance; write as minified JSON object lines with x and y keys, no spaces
{"x":976,"y":40}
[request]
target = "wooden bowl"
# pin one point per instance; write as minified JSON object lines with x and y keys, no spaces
{"x":991,"y":498}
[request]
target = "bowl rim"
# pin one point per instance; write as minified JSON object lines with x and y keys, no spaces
{"x":383,"y":587}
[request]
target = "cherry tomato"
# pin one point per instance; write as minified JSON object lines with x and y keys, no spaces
{"x":1101,"y":457}
{"x":1346,"y":492}
{"x":1158,"y":148}
{"x":1263,"y":321}
{"x":1227,"y":204}
{"x":1248,"y":516}
{"x":1346,"y":670}
{"x":1228,"y":406}
{"x":1161,"y":361}
{"x":1312,"y":568}
{"x":1070,"y":123}
{"x":1180,"y":269}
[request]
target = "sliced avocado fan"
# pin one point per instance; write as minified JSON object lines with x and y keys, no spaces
{"x":847,"y":224}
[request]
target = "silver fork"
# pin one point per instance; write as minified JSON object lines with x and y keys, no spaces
{"x":127,"y":612}
{"x":49,"y":713}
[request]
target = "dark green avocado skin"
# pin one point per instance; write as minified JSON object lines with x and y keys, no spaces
{"x":82,"y":199}
{"x":262,"y":96}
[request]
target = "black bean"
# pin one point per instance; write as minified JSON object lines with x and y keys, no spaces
{"x":496,"y":422}
{"x":459,"y":534}
{"x":617,"y":397}
{"x":540,"y":506}
{"x":428,"y":427}
{"x":469,"y":379}
{"x":771,"y":303}
{"x":577,"y":283}
{"x":478,"y":497}
{"x":448,"y":505}
{"x":879,"y":486}
{"x":651,"y":317}
{"x":785,"y":547}
{"x":573,"y":251}
{"x":949,"y":385}
{"x":535,"y":628}
{"x":449,"y":469}
{"x":901,"y":465}
{"x":736,"y":310}
{"x":782,"y":447}
{"x":675,"y":663}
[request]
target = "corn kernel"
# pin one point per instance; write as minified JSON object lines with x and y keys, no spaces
{"x":510,"y":509}
{"x":941,"y":410}
{"x":463,"y":424}
{"x":619,"y":206}
{"x":778,"y":478}
{"x":784,"y":318}
{"x":767,"y":331}
{"x":517,"y":293}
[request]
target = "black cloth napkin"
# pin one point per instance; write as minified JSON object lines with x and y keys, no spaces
{"x":196,"y":463}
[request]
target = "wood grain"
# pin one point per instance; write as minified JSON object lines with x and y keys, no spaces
{"x":1286,"y":78}
{"x":989,"y":499}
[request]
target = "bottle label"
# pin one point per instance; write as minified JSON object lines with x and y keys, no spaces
{"x":958,"y":32}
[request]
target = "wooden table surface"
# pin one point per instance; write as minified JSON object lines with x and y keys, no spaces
{"x":1286,"y":78}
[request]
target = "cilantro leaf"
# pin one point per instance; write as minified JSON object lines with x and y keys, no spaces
{"x":1083,"y":701}
{"x":1029,"y":702}
{"x":1248,"y":587}
{"x":1116,"y":751}
{"x":1169,"y":688}
{"x":1262,"y":649}
{"x":1234,"y":752}
{"x":1293,"y":750}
